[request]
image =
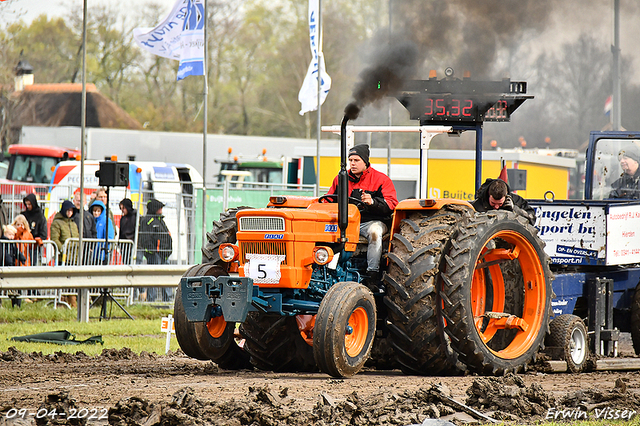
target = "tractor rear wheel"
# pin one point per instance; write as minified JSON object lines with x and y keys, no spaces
{"x":415,"y":260}
{"x":275,"y":344}
{"x":635,"y":320}
{"x":569,"y":334}
{"x":473,"y":270}
{"x":344,"y":330}
{"x":213,"y":340}
{"x":224,"y":231}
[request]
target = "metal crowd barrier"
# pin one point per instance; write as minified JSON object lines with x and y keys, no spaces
{"x":87,"y":277}
{"x":95,"y":251}
{"x":21,"y":253}
{"x":120,"y":252}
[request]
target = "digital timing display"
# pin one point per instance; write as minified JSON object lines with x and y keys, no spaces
{"x":447,"y":102}
{"x":455,"y":108}
{"x":442,"y":107}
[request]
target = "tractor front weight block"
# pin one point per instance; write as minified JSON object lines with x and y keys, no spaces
{"x":233,"y":294}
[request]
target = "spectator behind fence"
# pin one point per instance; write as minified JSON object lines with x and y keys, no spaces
{"x":89,"y":229}
{"x":98,"y":210}
{"x":101,"y":194}
{"x":127,"y":225}
{"x":155,"y":239}
{"x":29,"y":250}
{"x":11,"y":256}
{"x":35,"y":217}
{"x":64,"y":227}
{"x":5,"y":216}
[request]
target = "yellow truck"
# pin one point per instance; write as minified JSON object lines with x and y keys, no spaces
{"x":450,"y":173}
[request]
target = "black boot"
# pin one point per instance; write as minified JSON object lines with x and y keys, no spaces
{"x":373,"y":280}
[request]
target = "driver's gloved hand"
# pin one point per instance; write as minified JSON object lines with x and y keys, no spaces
{"x":356,"y":193}
{"x":508,"y":203}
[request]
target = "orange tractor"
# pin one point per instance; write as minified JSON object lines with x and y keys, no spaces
{"x":459,"y":291}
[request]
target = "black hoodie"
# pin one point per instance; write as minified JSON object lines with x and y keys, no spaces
{"x":128,"y":221}
{"x":35,"y":218}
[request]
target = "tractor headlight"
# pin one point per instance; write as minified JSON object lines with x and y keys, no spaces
{"x":322,"y":255}
{"x":228,"y":252}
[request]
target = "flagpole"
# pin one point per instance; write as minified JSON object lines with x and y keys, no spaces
{"x":319,"y":130}
{"x":204,"y":131}
{"x":83,"y":294}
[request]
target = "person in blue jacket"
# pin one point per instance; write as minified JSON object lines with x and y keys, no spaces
{"x":98,"y":209}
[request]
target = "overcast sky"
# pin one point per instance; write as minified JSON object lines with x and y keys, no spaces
{"x":595,"y":18}
{"x":30,"y":9}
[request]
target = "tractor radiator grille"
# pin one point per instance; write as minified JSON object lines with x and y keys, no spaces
{"x":267,"y":224}
{"x":262,"y":247}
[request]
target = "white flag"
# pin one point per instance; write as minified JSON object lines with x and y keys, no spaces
{"x":179,"y":36}
{"x":308,"y":95}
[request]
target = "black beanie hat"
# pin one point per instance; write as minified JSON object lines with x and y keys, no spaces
{"x":631,"y":151}
{"x":361,"y":151}
{"x":153,"y":206}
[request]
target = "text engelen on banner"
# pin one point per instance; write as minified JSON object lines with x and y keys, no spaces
{"x":572,"y":234}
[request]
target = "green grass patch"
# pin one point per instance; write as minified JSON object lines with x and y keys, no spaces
{"x":593,"y":422}
{"x":141,"y":334}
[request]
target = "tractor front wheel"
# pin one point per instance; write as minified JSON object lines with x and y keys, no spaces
{"x":344,"y":329}
{"x":185,"y":330}
{"x":213,"y":340}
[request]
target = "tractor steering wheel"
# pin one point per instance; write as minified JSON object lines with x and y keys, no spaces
{"x":333,"y":198}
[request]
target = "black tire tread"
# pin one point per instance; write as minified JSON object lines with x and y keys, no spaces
{"x":185,"y":331}
{"x":195,"y":336}
{"x":635,"y":320}
{"x":328,"y":348}
{"x":224,"y":231}
{"x":274,"y":343}
{"x":460,"y":326}
{"x":415,"y":331}
{"x":559,"y":336}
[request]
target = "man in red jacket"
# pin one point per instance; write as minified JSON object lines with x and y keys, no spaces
{"x":378,"y":196}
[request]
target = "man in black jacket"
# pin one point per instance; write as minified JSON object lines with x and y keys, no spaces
{"x":34,"y":215}
{"x":127,"y":220}
{"x":495,"y":194}
{"x":627,"y":186}
{"x":89,"y":223}
{"x":154,"y":238}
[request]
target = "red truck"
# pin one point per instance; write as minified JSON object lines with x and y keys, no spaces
{"x":30,"y":169}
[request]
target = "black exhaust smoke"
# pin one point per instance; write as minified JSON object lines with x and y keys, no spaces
{"x":396,"y":61}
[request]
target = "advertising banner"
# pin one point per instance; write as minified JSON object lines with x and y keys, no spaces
{"x":574,"y":234}
{"x":623,"y":232}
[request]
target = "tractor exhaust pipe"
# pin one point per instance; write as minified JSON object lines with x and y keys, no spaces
{"x":343,"y":183}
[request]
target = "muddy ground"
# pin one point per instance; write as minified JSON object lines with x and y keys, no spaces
{"x":122,"y":388}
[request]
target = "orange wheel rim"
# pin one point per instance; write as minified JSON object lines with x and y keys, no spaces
{"x":535,"y":292}
{"x":479,"y":295}
{"x":359,"y":323}
{"x":216,"y":326}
